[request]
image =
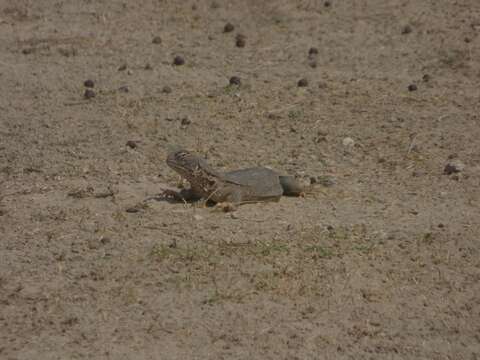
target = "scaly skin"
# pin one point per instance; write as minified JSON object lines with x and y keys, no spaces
{"x":234,"y":187}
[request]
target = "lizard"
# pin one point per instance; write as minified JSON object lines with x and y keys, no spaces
{"x":256,"y":184}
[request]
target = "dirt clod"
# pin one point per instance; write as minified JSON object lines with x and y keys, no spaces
{"x":302,"y":82}
{"x":407,"y":29}
{"x":412,"y":87}
{"x":131,"y":144}
{"x":235,"y":80}
{"x":89,"y":83}
{"x":178,"y":60}
{"x":240,"y":40}
{"x":228,"y":28}
{"x":166,"y":89}
{"x":185,"y":121}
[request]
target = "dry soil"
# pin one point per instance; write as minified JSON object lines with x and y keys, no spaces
{"x":380,"y":261}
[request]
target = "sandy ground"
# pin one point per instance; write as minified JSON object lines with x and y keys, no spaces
{"x":381,"y":261}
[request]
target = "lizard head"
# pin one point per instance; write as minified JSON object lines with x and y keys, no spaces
{"x":186,"y":163}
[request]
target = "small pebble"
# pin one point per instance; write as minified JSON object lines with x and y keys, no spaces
{"x":327,"y":3}
{"x":407,"y":29}
{"x":302,"y":82}
{"x":312,"y":64}
{"x":166,"y":89}
{"x":348,"y":142}
{"x":124,"y":89}
{"x":313,"y":51}
{"x":235,"y":80}
{"x":89,"y":94}
{"x":178,"y":60}
{"x":131,"y":144}
{"x":157,"y":40}
{"x":186,"y":121}
{"x":148,"y":67}
{"x":228,"y":28}
{"x":426,"y":78}
{"x":453,"y":167}
{"x":89,"y":83}
{"x":412,"y":87}
{"x":122,"y":67}
{"x":240,"y":40}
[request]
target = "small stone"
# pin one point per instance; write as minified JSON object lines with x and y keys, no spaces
{"x":157,"y":40}
{"x":412,"y":87}
{"x":467,"y":40}
{"x":148,"y":66}
{"x":166,"y":89}
{"x":228,"y":28}
{"x":240,"y":40}
{"x":235,"y":80}
{"x":327,"y":4}
{"x":407,"y":29}
{"x":426,"y":78}
{"x":313,"y":51}
{"x":89,"y":94}
{"x":122,"y":67}
{"x":186,"y":121}
{"x":312,"y":64}
{"x":178,"y":60}
{"x":302,"y":82}
{"x":131,"y":144}
{"x":348,"y":142}
{"x":89,"y":83}
{"x":453,"y":167}
{"x":124,"y":89}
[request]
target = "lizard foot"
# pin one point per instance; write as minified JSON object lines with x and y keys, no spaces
{"x":226,"y":206}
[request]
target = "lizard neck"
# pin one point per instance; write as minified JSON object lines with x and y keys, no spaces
{"x":203,"y":179}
